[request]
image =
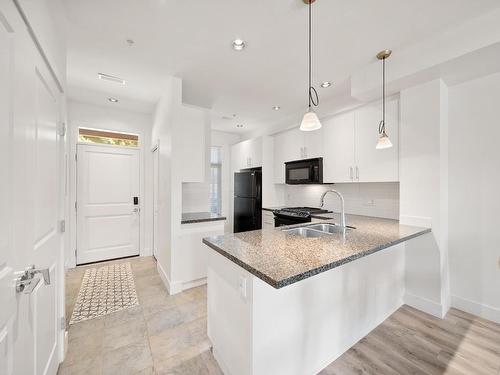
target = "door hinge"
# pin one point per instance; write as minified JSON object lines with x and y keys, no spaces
{"x":76,"y":157}
{"x":62,"y":226}
{"x":62,"y":129}
{"x":63,"y":323}
{"x":76,"y":207}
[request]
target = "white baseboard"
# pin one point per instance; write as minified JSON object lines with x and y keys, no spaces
{"x":194,"y":283}
{"x":425,"y":305}
{"x":146,"y":252}
{"x":476,"y":308}
{"x":178,"y":286}
{"x":166,"y":280}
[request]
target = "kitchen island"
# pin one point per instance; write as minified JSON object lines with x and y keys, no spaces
{"x":281,"y":303}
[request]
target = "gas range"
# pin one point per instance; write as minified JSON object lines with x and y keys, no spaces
{"x":295,"y":215}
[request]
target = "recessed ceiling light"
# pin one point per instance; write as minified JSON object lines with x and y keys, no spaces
{"x":113,"y":100}
{"x":276,"y":107}
{"x":130,"y":42}
{"x":326,"y":84}
{"x":108,"y":77}
{"x":239,"y":44}
{"x":239,"y":125}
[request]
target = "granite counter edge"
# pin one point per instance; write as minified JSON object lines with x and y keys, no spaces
{"x":293,"y":279}
{"x":202,"y":220}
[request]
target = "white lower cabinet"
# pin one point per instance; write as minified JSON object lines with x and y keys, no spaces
{"x":267,"y":219}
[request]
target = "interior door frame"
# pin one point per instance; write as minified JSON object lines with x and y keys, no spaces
{"x":155,"y":152}
{"x":74,"y":196}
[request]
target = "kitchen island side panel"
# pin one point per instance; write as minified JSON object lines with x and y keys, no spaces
{"x":301,"y":328}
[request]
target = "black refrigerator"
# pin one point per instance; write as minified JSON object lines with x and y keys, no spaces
{"x":247,"y":201}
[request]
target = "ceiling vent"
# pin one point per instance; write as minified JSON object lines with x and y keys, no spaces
{"x":107,"y":77}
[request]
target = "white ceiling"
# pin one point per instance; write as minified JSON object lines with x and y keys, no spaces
{"x":191,"y":39}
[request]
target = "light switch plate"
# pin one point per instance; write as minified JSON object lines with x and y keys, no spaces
{"x":243,"y":287}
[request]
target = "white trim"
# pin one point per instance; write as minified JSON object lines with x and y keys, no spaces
{"x":178,"y":286}
{"x":106,"y":145}
{"x":476,"y":308}
{"x":194,"y":283}
{"x":425,"y":305}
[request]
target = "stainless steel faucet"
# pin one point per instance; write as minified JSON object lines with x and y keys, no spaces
{"x":342,"y":205}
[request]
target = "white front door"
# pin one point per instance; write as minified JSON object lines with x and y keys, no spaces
{"x":108,"y":221}
{"x":31,"y":200}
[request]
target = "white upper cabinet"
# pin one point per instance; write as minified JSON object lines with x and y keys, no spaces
{"x":377,"y":165}
{"x":338,"y":145}
{"x":246,"y":154}
{"x":287,"y":147}
{"x":312,"y":144}
{"x":295,"y":145}
{"x":349,"y":142}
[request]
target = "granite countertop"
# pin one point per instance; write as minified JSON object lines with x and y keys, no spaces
{"x":200,"y":217}
{"x":281,"y":259}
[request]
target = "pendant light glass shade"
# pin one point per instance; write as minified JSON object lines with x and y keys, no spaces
{"x":383,"y":142}
{"x":310,"y":122}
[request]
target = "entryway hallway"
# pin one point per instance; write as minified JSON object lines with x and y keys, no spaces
{"x":163,"y":335}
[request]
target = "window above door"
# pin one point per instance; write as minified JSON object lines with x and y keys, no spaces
{"x":87,"y":135}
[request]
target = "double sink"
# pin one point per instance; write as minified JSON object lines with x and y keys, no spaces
{"x":317,"y":230}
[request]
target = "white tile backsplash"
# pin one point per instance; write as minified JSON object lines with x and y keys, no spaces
{"x":195,"y":197}
{"x":379,"y":199}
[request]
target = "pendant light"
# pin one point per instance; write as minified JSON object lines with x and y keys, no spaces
{"x":310,"y":121}
{"x":383,"y":141}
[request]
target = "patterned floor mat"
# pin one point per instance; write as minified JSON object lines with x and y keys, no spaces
{"x":105,"y":290}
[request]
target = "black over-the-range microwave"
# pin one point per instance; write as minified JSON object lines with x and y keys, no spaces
{"x":307,"y":171}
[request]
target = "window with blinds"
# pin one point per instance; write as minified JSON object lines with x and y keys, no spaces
{"x":215,"y":179}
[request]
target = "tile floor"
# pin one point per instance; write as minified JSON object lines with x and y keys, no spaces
{"x":167,"y":335}
{"x":163,"y":335}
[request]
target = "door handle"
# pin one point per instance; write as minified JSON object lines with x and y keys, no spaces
{"x":29,"y":278}
{"x":351,"y":173}
{"x":357,"y":173}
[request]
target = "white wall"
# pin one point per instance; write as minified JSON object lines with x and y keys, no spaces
{"x":225,"y":140}
{"x":102,"y":117}
{"x":369,"y":199}
{"x":423,"y":193}
{"x":195,"y":197}
{"x":474,"y":202}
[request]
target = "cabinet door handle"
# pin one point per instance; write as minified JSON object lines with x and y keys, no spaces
{"x":351,"y":173}
{"x":357,"y":173}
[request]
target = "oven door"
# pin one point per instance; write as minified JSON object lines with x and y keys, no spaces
{"x":282,"y":220}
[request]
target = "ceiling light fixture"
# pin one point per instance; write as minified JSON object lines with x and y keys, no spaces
{"x":108,"y":77}
{"x":310,"y":120}
{"x":326,"y":84}
{"x":239,"y":44}
{"x":239,"y":125}
{"x":383,"y":141}
{"x":276,"y":107}
{"x":113,"y":100}
{"x":130,"y":42}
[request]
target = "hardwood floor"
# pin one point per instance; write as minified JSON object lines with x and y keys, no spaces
{"x":167,"y":335}
{"x":412,"y":342}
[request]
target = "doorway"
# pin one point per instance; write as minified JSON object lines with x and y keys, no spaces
{"x":156,"y":162}
{"x":108,"y":213}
